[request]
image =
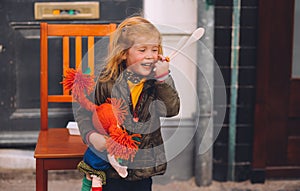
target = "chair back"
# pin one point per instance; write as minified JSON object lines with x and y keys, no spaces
{"x":66,"y":32}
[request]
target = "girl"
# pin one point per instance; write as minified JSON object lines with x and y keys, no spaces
{"x":137,"y":73}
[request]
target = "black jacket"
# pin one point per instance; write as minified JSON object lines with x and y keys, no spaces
{"x":157,"y":99}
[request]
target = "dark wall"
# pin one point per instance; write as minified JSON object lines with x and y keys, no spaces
{"x":246,"y":86}
{"x":110,"y":10}
{"x":19,"y":59}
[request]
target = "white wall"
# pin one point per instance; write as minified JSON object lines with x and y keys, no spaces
{"x":177,"y":13}
{"x":177,"y":19}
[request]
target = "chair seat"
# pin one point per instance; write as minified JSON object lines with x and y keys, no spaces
{"x":58,"y":143}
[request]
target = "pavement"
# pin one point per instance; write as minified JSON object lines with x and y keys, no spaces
{"x":17,"y":172}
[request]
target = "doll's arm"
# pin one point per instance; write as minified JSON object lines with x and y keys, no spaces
{"x":89,"y":135}
{"x":98,"y":141}
{"x":122,"y":170}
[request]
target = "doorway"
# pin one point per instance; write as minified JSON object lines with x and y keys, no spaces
{"x":276,"y":147}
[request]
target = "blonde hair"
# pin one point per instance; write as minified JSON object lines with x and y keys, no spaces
{"x":121,"y":40}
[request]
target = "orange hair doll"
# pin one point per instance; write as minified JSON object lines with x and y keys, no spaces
{"x":107,"y":119}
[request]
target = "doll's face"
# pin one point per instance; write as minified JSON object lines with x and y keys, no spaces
{"x":142,"y":56}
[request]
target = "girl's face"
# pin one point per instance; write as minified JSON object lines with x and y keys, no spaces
{"x":142,"y":56}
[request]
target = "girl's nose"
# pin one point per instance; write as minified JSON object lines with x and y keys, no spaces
{"x":150,"y":54}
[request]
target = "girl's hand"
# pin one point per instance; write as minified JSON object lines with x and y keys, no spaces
{"x":161,"y":67}
{"x":98,"y":141}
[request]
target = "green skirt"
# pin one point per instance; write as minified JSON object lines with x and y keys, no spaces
{"x":86,"y":169}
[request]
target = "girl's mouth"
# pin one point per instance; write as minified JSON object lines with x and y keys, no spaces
{"x":147,"y":64}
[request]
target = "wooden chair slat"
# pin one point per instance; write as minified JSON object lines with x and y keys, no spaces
{"x":78,"y":51}
{"x":44,"y":77}
{"x":91,"y":60}
{"x":81,"y":29}
{"x":66,"y":59}
{"x":60,"y":98}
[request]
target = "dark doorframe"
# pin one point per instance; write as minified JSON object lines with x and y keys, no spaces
{"x":274,"y":61}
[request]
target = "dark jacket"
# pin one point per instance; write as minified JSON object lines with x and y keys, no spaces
{"x":158,"y":99}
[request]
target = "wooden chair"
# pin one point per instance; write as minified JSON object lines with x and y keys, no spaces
{"x":55,"y":148}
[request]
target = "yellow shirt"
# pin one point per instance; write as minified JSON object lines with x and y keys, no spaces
{"x":135,"y":91}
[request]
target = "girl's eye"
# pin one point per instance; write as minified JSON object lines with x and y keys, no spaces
{"x":142,"y":50}
{"x":155,"y":50}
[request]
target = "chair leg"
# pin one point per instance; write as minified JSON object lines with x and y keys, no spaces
{"x":41,"y":176}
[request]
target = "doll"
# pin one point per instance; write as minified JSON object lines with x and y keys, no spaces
{"x":107,"y":119}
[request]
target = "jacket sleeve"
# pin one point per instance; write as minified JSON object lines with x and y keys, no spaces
{"x":169,"y":102}
{"x":85,"y":125}
{"x":84,"y":117}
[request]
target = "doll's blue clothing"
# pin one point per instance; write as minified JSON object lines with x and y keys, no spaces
{"x":95,"y":159}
